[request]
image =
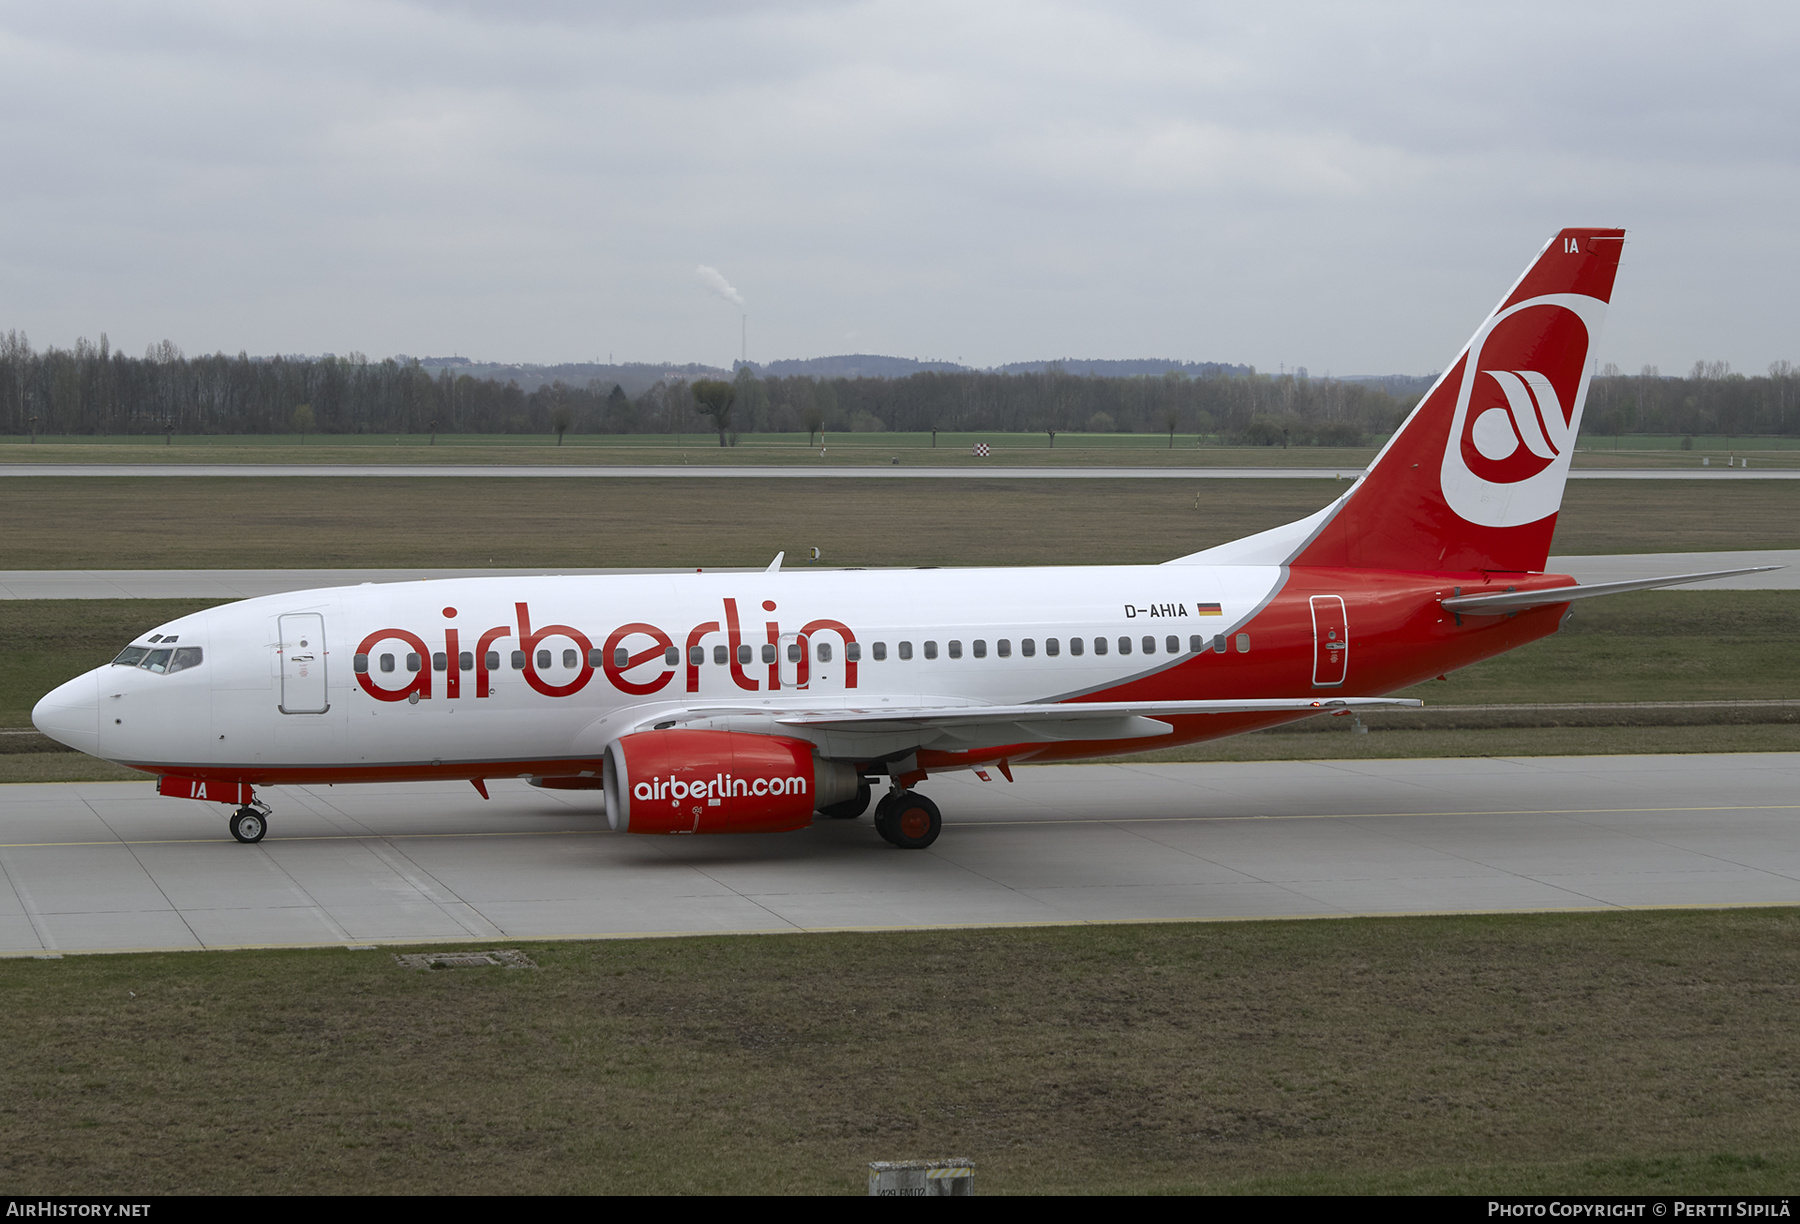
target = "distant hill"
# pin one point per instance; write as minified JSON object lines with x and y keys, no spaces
{"x":1400,"y":386}
{"x":851,"y":365}
{"x":636,"y":377}
{"x":1151,"y":366}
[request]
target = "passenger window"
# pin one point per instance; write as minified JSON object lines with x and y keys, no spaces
{"x":518,"y":660}
{"x":439,"y":661}
{"x":671,"y":656}
{"x":1099,"y":646}
{"x":1173,"y":645}
{"x":492,"y":660}
{"x":360,"y":664}
{"x":1196,"y":644}
{"x":980,"y":648}
{"x":793,"y":652}
{"x":852,"y":652}
{"x":465,"y":661}
{"x":823,"y":650}
{"x":412,"y":662}
{"x":543,"y":659}
{"x":186,"y":657}
{"x":1003,"y":648}
{"x":721,"y":656}
{"x":1149,"y":644}
{"x":387,"y":662}
{"x":1243,"y":643}
{"x":131,"y":656}
{"x":768,"y":653}
{"x":880,"y":651}
{"x":569,"y":657}
{"x":906,"y":650}
{"x":1124,"y":645}
{"x":696,"y":655}
{"x":595,"y":658}
{"x":955,"y":650}
{"x":1076,"y":646}
{"x":1028,"y":647}
{"x":621,"y":657}
{"x":1218,"y":643}
{"x":931,"y":650}
{"x":1052,"y":647}
{"x":744,"y":654}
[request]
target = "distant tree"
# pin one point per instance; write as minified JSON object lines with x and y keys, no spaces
{"x":1171,"y":418}
{"x":303,"y":421}
{"x":714,"y":397}
{"x":815,"y":418}
{"x":562,"y":414}
{"x":619,"y":416}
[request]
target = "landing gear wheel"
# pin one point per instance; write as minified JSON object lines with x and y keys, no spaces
{"x":248,"y":825}
{"x":850,"y":809}
{"x":908,"y":820}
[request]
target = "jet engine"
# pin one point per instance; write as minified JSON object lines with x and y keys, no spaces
{"x":718,"y":782}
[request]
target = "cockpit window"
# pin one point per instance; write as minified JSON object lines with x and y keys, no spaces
{"x":161,"y":661}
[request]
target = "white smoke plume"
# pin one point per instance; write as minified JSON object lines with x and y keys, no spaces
{"x":715,"y":280}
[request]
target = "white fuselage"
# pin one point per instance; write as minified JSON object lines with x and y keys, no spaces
{"x":267,"y":695}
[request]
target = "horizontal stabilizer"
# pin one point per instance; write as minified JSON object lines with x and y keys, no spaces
{"x":1518,"y":601}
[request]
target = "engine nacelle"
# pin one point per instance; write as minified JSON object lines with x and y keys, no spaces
{"x":718,"y":782}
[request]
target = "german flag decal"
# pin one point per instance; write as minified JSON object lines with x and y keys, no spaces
{"x":1207,"y":609}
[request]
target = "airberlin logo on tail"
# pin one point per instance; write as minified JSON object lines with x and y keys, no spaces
{"x":1518,"y":409}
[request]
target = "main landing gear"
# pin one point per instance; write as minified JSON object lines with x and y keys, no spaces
{"x":908,"y":820}
{"x":250,"y":822}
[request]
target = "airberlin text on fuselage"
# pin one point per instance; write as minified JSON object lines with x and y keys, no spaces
{"x":722,"y":786}
{"x":636,"y":658}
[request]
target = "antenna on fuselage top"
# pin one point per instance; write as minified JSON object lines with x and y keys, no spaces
{"x":776,"y":563}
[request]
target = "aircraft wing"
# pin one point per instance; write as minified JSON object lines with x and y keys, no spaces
{"x":862,"y":730}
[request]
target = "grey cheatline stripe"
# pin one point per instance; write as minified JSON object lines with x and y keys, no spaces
{"x":874,"y":471}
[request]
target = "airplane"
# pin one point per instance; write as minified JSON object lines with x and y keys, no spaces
{"x":755,"y":702}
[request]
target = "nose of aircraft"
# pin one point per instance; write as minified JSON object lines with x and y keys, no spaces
{"x":70,"y":713}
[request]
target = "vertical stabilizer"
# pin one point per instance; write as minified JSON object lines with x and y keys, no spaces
{"x":1474,"y":478}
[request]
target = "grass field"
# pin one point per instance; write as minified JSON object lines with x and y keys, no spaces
{"x":300,"y":523}
{"x":1581,"y":1053}
{"x":855,"y":449}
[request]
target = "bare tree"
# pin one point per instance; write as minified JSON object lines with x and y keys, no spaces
{"x":714,"y":397}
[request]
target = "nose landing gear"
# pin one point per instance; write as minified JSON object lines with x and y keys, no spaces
{"x":250,"y":822}
{"x":908,"y":820}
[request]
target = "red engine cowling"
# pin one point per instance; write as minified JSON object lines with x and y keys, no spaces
{"x":718,"y":782}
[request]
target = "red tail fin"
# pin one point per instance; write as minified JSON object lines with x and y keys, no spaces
{"x":1474,"y":478}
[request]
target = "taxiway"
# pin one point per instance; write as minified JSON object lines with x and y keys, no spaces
{"x":108,"y":866}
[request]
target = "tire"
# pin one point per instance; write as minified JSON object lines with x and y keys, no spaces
{"x":850,"y":809}
{"x":248,"y":825}
{"x":912,"y":821}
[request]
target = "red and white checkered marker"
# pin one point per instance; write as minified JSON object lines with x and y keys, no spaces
{"x":981,"y":450}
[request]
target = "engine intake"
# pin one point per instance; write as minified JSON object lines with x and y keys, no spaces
{"x":718,"y":782}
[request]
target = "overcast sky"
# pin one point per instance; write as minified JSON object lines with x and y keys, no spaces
{"x":1346,"y":187}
